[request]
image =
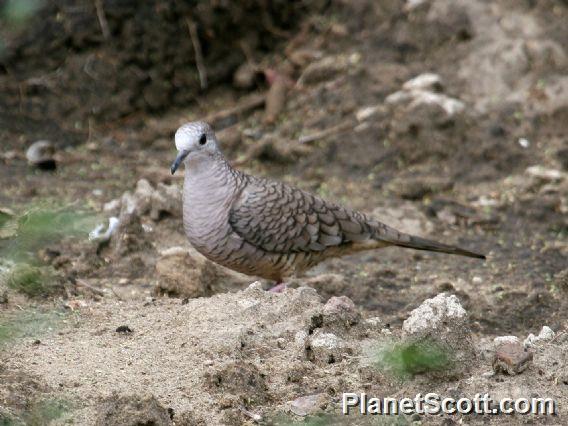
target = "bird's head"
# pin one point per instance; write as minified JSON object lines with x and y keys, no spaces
{"x":193,"y":138}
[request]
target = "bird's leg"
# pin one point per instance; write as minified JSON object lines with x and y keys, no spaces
{"x":279,"y":287}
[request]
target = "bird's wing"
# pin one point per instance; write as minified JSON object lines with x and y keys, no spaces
{"x":281,"y":219}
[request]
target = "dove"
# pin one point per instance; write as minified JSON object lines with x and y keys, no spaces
{"x":266,"y":228}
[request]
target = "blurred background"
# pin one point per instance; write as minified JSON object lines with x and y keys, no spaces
{"x":443,"y":118}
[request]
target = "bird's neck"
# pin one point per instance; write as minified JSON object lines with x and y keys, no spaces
{"x":210,"y":185}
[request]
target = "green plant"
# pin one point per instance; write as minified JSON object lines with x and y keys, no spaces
{"x":31,"y":280}
{"x":405,"y":359}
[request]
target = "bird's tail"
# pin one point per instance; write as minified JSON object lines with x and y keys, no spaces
{"x":417,"y":243}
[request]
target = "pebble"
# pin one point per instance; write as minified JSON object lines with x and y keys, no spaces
{"x":41,"y":154}
{"x":309,"y":404}
{"x":545,"y":334}
{"x":511,"y":358}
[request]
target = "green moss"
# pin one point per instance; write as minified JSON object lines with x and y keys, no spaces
{"x":27,"y":324}
{"x":45,"y":411}
{"x":407,"y":359}
{"x":32,"y":281}
{"x":39,"y":227}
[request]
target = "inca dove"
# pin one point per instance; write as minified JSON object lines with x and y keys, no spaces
{"x":266,"y":228}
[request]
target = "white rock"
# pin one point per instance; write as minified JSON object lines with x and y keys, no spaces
{"x":426,"y":81}
{"x":544,"y":173}
{"x":309,"y":404}
{"x":325,"y":340}
{"x":413,"y":4}
{"x":40,"y":151}
{"x":300,"y":337}
{"x":525,"y":143}
{"x":433,"y":313}
{"x":112,"y":206}
{"x":505,"y":339}
{"x":100,"y":234}
{"x":545,"y":334}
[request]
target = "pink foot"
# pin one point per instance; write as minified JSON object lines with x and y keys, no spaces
{"x":278,"y":288}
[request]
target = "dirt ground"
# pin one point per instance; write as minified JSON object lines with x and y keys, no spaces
{"x":142,"y":331}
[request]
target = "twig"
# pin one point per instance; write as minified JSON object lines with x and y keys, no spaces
{"x":201,"y":70}
{"x":116,"y":294}
{"x":95,"y":290}
{"x":229,"y":116}
{"x":340,"y":128}
{"x":102,"y":19}
{"x":253,"y":416}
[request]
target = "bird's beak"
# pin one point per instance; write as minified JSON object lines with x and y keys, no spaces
{"x":180,"y":157}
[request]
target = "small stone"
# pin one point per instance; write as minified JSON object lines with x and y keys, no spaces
{"x":511,"y":358}
{"x":100,"y":234}
{"x":426,"y":81}
{"x":112,"y":206}
{"x":545,"y":334}
{"x":440,"y":311}
{"x":41,"y":154}
{"x":544,"y":173}
{"x":245,"y":76}
{"x":340,"y":310}
{"x":306,"y":405}
{"x":501,"y":340}
{"x":326,"y":348}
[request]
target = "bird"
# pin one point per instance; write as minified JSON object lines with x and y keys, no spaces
{"x":266,"y":228}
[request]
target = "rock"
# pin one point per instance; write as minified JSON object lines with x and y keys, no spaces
{"x":245,"y":76}
{"x":100,"y":234}
{"x":42,"y":155}
{"x":132,"y":410}
{"x":165,"y":199}
{"x":437,"y":313}
{"x":326,"y":348}
{"x":545,"y":174}
{"x":310,"y":404}
{"x":443,"y":321}
{"x":416,"y":109}
{"x":426,"y":81}
{"x":501,"y":340}
{"x":147,"y":200}
{"x":340,"y":310}
{"x":112,"y":206}
{"x":511,"y":358}
{"x":422,"y":91}
{"x":183,"y":272}
{"x":546,"y":334}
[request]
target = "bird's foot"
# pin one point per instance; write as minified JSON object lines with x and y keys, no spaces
{"x":278,"y":288}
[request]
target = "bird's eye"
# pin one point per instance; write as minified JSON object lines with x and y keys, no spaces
{"x":203,"y":139}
